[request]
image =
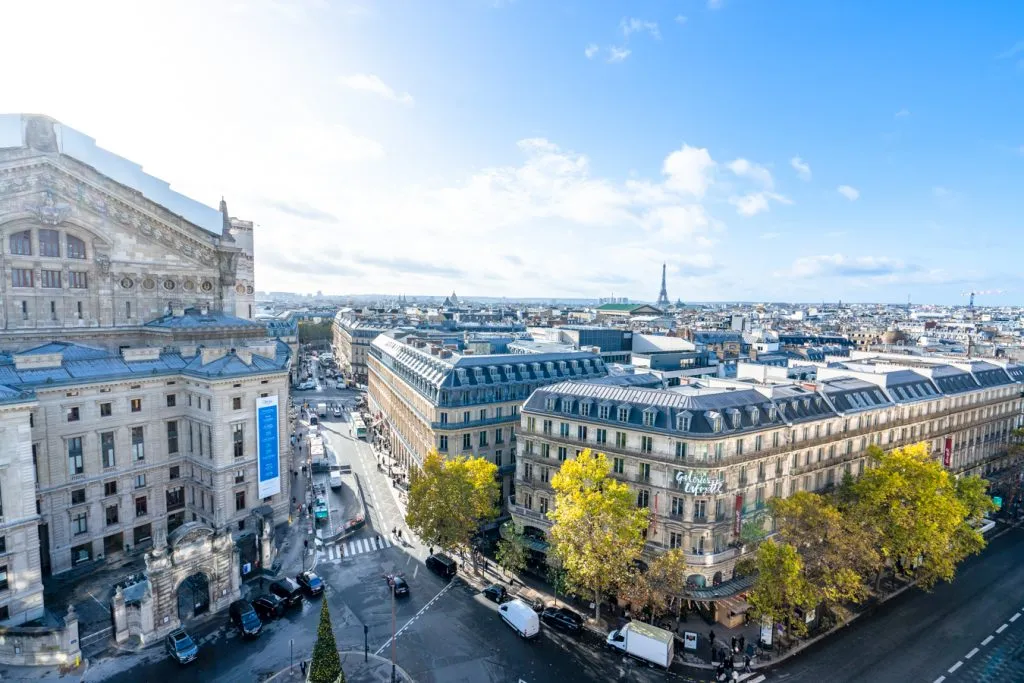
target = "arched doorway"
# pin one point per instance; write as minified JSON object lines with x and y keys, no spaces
{"x":193,"y":596}
{"x":716,"y":580}
{"x":696,"y":581}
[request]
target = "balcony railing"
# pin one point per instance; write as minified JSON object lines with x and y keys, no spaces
{"x":526,"y":512}
{"x":642,"y":477}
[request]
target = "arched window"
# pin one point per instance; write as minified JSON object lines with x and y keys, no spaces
{"x":49,"y":243}
{"x":21,"y":243}
{"x":76,"y":247}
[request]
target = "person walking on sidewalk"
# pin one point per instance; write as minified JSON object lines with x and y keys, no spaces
{"x":746,"y":664}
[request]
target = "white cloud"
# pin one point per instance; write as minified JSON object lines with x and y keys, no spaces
{"x":902,"y":113}
{"x":849,"y":192}
{"x":681,"y":19}
{"x":715,"y":4}
{"x":618,"y":54}
{"x":374,"y":85}
{"x":802,"y":168}
{"x":838,"y":265}
{"x":755,"y":172}
{"x":689,"y":170}
{"x":632,"y":25}
{"x":770,"y":235}
{"x":591,"y":50}
{"x":1012,"y":51}
{"x":757,"y":202}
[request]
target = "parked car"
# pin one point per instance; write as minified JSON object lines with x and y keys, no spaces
{"x":337,"y":411}
{"x":398,"y":584}
{"x":289,"y":591}
{"x":496,"y":592}
{"x":244,"y":617}
{"x":442,"y":565}
{"x":268,"y":606}
{"x":311,"y":583}
{"x":181,"y":647}
{"x":563,"y":619}
{"x":520,"y":617}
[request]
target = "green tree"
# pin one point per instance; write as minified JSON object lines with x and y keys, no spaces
{"x":597,"y":532}
{"x":556,"y":576}
{"x":781,"y":587}
{"x":512,"y":550}
{"x":326,"y":664}
{"x":914,"y":509}
{"x":836,"y":552}
{"x":448,"y":499}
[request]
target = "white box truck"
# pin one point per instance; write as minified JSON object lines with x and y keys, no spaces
{"x":520,"y":617}
{"x":321,"y":409}
{"x":643,"y":641}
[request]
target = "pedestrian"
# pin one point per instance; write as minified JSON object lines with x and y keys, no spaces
{"x":711,"y":637}
{"x":394,"y":531}
{"x":734,"y":643}
{"x":431,"y":549}
{"x":302,"y":666}
{"x":746,"y":664}
{"x":399,"y":534}
{"x":743,"y":643}
{"x":305,"y":543}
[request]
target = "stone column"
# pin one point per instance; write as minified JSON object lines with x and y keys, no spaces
{"x":120,"y":616}
{"x":71,"y":647}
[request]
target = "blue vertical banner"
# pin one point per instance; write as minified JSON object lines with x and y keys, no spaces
{"x":268,"y":460}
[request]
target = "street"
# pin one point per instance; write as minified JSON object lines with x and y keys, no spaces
{"x":920,"y":636}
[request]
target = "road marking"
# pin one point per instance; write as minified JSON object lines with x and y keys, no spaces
{"x":98,"y":602}
{"x":971,"y":653}
{"x":1015,"y":617}
{"x":939,"y":679}
{"x":987,"y":640}
{"x":1002,"y":628}
{"x":422,"y":610}
{"x":101,"y":632}
{"x":955,"y":667}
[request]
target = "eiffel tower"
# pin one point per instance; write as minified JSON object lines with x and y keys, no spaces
{"x":663,"y":301}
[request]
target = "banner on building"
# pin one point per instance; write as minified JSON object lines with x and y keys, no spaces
{"x":268,"y":460}
{"x":738,"y":522}
{"x":947,"y":452}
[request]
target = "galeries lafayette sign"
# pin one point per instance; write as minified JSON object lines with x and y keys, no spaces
{"x":699,"y":483}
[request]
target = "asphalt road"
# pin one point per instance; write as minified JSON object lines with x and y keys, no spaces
{"x":920,"y":636}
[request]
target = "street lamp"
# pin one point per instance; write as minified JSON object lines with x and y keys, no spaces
{"x":393,"y":632}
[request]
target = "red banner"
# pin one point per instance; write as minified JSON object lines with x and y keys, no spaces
{"x":947,"y":452}
{"x":738,"y":522}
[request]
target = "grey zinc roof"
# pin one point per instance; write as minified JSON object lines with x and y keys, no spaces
{"x":70,"y":351}
{"x":194,"y":318}
{"x":849,"y":394}
{"x":9,"y":395}
{"x":1016,"y":372}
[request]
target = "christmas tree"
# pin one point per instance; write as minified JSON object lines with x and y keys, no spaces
{"x":326,"y":664}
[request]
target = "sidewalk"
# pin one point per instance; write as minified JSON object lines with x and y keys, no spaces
{"x":374,"y":670}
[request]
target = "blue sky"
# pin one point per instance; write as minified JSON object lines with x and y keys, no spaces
{"x":806,"y":151}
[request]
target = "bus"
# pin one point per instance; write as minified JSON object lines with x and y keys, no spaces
{"x":358,"y":428}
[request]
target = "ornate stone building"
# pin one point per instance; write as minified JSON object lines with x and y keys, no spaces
{"x":130,"y":363}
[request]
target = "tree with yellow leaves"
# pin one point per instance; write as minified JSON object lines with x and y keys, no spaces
{"x":448,"y":499}
{"x":598,"y":531}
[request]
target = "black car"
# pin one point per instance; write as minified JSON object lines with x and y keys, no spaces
{"x":311,"y":583}
{"x":268,"y":606}
{"x":563,"y":619}
{"x":399,"y":585}
{"x":181,"y":647}
{"x":496,"y":592}
{"x":288,"y":591}
{"x":244,"y":617}
{"x":442,"y":565}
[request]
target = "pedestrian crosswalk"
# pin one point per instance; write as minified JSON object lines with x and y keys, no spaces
{"x":336,"y":552}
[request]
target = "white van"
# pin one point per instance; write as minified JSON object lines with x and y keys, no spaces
{"x":335,"y":480}
{"x":520,"y":617}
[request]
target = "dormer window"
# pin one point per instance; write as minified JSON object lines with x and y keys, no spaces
{"x":623,"y":413}
{"x":549,"y":367}
{"x":522,"y":370}
{"x":683,"y":421}
{"x":735,"y":418}
{"x":603,"y":411}
{"x":561,"y":367}
{"x":807,"y":404}
{"x":755,"y":414}
{"x":550,"y":404}
{"x":575,"y":365}
{"x":772,"y":412}
{"x":649,"y":416}
{"x":567,"y":405}
{"x":715,"y":420}
{"x":585,"y":408}
{"x":819,"y":402}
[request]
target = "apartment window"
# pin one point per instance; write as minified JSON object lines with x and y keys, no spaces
{"x":238,"y":440}
{"x":444,"y":418}
{"x":620,"y":439}
{"x":775,"y":440}
{"x":141,"y":506}
{"x":675,"y":540}
{"x":21,"y":277}
{"x":49,"y":243}
{"x":175,"y":498}
{"x":563,"y":453}
{"x":239,"y":500}
{"x":21,"y":243}
{"x":128,"y":309}
{"x":618,"y":465}
{"x":739,"y":446}
{"x":53,"y":310}
{"x":757,"y":442}
{"x":73,"y":414}
{"x":545,"y":450}
{"x":646,"y":444}
{"x":700,"y":510}
{"x":77,"y":280}
{"x":483,"y":439}
{"x":543,"y":506}
{"x":136,"y":405}
{"x":3,"y":545}
{"x":79,"y":524}
{"x":760,"y":471}
{"x":602,"y":436}
{"x":175,"y":472}
{"x":547,"y":426}
{"x":643,"y":498}
{"x":239,"y":476}
{"x":467,"y":442}
{"x":236,"y":403}
{"x":172,"y":437}
{"x":563,"y":429}
{"x":140,"y":481}
{"x":581,"y":432}
{"x":499,"y":436}
{"x":138,"y":444}
{"x":677,"y":506}
{"x":442,"y":443}
{"x":465,"y":416}
{"x":172,"y":400}
{"x":545,"y":475}
{"x":76,"y":464}
{"x":24,"y":310}
{"x":648,"y":418}
{"x":77,"y":496}
{"x":527,"y":472}
{"x":78,"y":309}
{"x":111,"y":515}
{"x":50,"y":279}
{"x":105,"y":410}
{"x":497,"y":458}
{"x":110,"y":488}
{"x":644,"y":471}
